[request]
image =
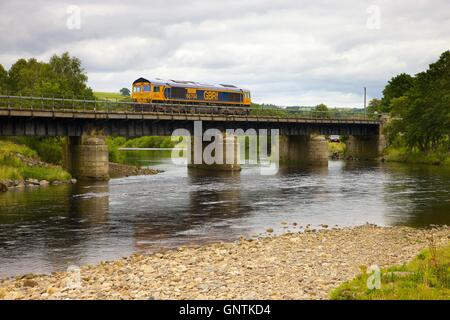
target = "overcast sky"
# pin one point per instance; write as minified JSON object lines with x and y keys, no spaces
{"x":286,"y":52}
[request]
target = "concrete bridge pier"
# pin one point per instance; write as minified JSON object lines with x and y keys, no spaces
{"x":86,"y":157}
{"x":301,"y":150}
{"x":364,"y":147}
{"x":367,"y":147}
{"x":219,"y":154}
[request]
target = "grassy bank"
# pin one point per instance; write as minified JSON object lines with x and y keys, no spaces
{"x":114,"y":143}
{"x":18,"y":162}
{"x":111,"y":96}
{"x":426,"y":277}
{"x":416,"y":157}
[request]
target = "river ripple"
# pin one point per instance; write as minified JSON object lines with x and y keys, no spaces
{"x":47,"y":229}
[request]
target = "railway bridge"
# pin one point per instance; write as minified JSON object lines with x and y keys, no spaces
{"x":86,"y":123}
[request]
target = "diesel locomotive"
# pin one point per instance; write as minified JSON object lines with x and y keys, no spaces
{"x":173,"y":95}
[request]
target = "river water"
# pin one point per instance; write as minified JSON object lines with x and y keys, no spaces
{"x":47,"y":229}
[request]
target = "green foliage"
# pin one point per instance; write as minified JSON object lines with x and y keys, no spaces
{"x":114,"y":143}
{"x":426,"y":277}
{"x":62,"y":76}
{"x":374,"y":106}
{"x":48,"y":149}
{"x":10,"y":149}
{"x":421,"y":116}
{"x":14,"y":164}
{"x":110,"y":96}
{"x":321,"y":108}
{"x":336,"y":148}
{"x":3,"y":79}
{"x":403,"y":154}
{"x":125,"y":92}
{"x":7,"y":172}
{"x":397,"y":87}
{"x":268,"y":111}
{"x":321,"y":111}
{"x":150,"y":142}
{"x":45,"y":173}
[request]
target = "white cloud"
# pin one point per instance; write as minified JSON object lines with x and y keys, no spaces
{"x":285,"y":52}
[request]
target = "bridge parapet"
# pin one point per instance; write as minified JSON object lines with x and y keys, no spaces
{"x":107,"y":106}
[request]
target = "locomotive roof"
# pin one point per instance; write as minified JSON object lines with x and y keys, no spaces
{"x":190,"y":84}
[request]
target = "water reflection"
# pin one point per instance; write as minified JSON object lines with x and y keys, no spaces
{"x":418,"y":195}
{"x":46,"y":229}
{"x":90,"y":202}
{"x":51,"y":223}
{"x":209,"y":198}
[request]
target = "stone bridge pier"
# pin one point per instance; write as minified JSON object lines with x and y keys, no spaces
{"x":367,"y":147}
{"x":222,"y":153}
{"x":364,"y":147}
{"x":86,"y":157}
{"x":301,"y":150}
{"x":225,"y":154}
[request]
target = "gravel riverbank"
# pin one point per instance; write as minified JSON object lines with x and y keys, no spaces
{"x":290,"y":266}
{"x":118,"y":170}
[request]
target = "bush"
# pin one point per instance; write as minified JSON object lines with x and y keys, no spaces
{"x":114,"y":144}
{"x":403,"y":154}
{"x":10,"y":148}
{"x":13,"y":164}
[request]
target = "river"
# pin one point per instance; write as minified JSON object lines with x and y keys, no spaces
{"x":47,"y":229}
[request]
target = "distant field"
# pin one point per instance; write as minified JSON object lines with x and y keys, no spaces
{"x":109,"y":96}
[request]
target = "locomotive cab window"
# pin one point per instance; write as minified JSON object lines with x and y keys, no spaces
{"x":147,"y":88}
{"x":137,"y":89}
{"x":156,"y":88}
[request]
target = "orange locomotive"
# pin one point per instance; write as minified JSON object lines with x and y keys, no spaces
{"x":189,"y":93}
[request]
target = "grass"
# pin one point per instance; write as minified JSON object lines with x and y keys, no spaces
{"x":111,"y":96}
{"x":416,"y":157}
{"x":10,"y":173}
{"x":13,"y":167}
{"x":45,"y":173}
{"x":8,"y":148}
{"x":427,"y":277}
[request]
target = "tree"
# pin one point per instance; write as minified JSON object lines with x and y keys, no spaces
{"x":72,"y":77}
{"x":374,"y":106}
{"x":396,"y":87}
{"x":3,"y":80}
{"x":423,"y":112}
{"x":125,"y":92}
{"x":62,"y":76}
{"x":30,"y":77}
{"x":321,"y":111}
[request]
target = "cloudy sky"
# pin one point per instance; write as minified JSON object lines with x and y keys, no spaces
{"x":287,"y":52}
